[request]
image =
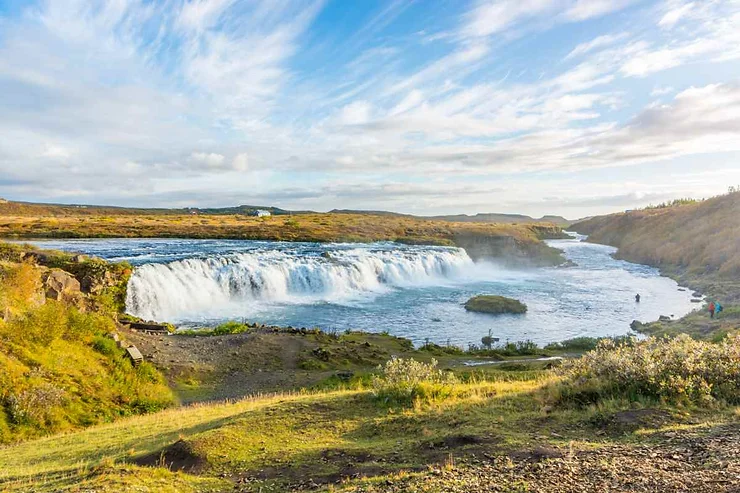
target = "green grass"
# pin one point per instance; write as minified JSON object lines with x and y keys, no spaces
{"x":229,"y":327}
{"x":291,"y":433}
{"x":58,"y":369}
{"x":280,"y":440}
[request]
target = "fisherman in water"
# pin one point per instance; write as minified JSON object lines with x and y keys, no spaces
{"x":637,"y":298}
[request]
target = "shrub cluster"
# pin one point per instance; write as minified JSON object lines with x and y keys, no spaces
{"x":404,"y":381}
{"x":584,"y":343}
{"x":679,"y":370}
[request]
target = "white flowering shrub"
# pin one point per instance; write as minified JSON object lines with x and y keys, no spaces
{"x":674,"y":369}
{"x":403,"y":381}
{"x":35,"y":405}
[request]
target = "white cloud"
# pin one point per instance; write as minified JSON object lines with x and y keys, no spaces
{"x":490,"y":17}
{"x":587,"y":9}
{"x":345,"y":160}
{"x":662,"y":91}
{"x":211,"y":160}
{"x":412,"y":100}
{"x":595,"y":44}
{"x":355,"y":113}
{"x":675,"y":14}
{"x":713,"y":36}
{"x":201,"y":14}
{"x":240,"y":162}
{"x":56,"y":152}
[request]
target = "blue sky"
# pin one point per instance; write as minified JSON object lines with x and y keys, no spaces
{"x":571,"y":107}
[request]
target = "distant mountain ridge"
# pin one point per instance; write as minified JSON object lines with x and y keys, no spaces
{"x":24,"y":208}
{"x":482,"y":217}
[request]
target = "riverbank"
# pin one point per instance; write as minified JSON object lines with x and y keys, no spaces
{"x":695,"y":243}
{"x":509,"y":244}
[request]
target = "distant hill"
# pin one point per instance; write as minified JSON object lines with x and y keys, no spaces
{"x":502,"y":218}
{"x":464,"y":218}
{"x":31,"y":208}
{"x":695,"y":242}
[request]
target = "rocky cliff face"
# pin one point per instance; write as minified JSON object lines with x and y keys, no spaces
{"x":508,"y":250}
{"x":76,"y":279}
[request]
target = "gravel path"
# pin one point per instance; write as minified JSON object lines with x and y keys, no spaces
{"x":681,"y":461}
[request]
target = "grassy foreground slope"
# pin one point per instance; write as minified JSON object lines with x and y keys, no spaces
{"x":491,"y":431}
{"x":696,"y":243}
{"x":516,"y":242}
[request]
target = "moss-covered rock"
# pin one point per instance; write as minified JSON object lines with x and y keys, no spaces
{"x":495,"y":305}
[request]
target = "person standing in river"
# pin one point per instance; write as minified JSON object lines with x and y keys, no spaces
{"x":637,"y":298}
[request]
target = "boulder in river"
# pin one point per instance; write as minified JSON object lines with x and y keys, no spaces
{"x":495,"y":305}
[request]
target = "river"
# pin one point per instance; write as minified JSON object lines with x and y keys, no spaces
{"x":411,"y":291}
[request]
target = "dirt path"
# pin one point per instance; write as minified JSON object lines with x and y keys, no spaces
{"x":228,"y":366}
{"x":682,"y":461}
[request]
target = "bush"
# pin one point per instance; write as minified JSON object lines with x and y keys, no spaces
{"x":35,"y":405}
{"x":230,"y":327}
{"x":404,"y":381}
{"x":106,"y":346}
{"x":679,"y":370}
{"x":583,"y":343}
{"x":20,"y":286}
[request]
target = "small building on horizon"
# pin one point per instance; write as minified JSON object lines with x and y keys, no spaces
{"x":260,"y":213}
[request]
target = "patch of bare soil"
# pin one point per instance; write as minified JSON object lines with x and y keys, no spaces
{"x":176,"y":457}
{"x":679,"y":461}
{"x":228,"y":366}
{"x":625,"y":422}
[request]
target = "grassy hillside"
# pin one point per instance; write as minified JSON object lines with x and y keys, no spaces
{"x":518,"y":243}
{"x":697,"y":243}
{"x":59,"y":370}
{"x":609,"y":422}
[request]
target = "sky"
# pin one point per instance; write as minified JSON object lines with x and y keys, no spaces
{"x":570,"y":107}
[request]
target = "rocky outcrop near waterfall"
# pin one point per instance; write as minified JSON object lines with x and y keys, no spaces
{"x":513,"y":250}
{"x":86,"y":282}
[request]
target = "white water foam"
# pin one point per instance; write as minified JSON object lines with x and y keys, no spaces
{"x":179,"y":289}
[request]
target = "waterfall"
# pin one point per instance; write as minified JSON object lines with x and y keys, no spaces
{"x":169,"y":291}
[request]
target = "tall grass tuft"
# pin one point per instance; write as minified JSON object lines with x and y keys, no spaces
{"x":407,"y":381}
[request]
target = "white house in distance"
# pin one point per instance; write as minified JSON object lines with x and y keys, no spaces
{"x":261,"y":213}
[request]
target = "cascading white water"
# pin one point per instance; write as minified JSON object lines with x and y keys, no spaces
{"x":192,"y":286}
